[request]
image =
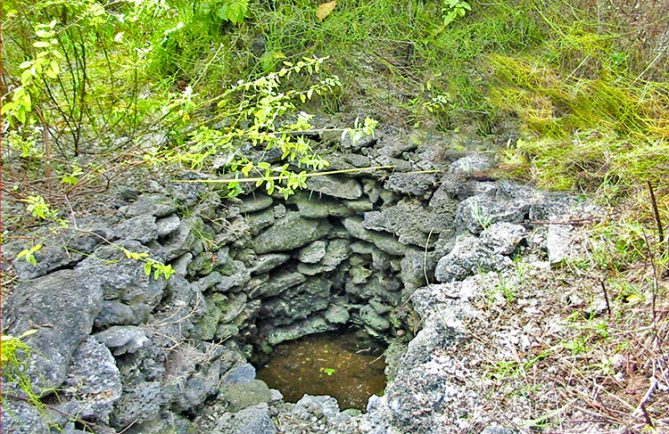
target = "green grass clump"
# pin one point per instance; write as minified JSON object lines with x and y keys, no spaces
{"x":575,"y":78}
{"x":590,"y":120}
{"x":592,"y":161}
{"x":556,"y":103}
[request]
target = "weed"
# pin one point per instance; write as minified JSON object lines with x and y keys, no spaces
{"x":577,"y":346}
{"x":508,"y":292}
{"x":628,"y":292}
{"x":454,"y":9}
{"x":29,"y":254}
{"x":540,"y":423}
{"x":233,"y":11}
{"x":506,"y":287}
{"x":14,"y":359}
{"x":208,"y":239}
{"x":482,"y":218}
{"x":151,"y":266}
{"x":38,"y":207}
{"x":504,"y":369}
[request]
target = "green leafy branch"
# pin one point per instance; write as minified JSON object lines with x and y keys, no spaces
{"x":45,"y":64}
{"x":233,"y":11}
{"x":257,"y":113}
{"x":41,"y":210}
{"x":368,"y":128}
{"x":29,"y":254}
{"x":72,"y":177}
{"x":454,"y":9}
{"x":151,"y":266}
{"x":38,"y":207}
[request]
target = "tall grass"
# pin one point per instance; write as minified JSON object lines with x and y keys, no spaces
{"x":593,"y":120}
{"x":388,"y":53}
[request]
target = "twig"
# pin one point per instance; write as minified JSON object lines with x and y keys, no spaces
{"x":646,"y":416}
{"x":606,"y":297}
{"x":73,"y":216}
{"x":427,"y":243}
{"x":573,"y":222}
{"x":656,"y":285}
{"x":646,"y":397}
{"x":128,"y":427}
{"x":47,"y":148}
{"x":375,"y":360}
{"x":85,"y":423}
{"x":279,"y":178}
{"x":308,"y":175}
{"x":658,"y":220}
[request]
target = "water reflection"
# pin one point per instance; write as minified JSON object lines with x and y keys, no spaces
{"x":347,"y":366}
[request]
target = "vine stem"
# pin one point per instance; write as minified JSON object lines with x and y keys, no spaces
{"x":308,"y":175}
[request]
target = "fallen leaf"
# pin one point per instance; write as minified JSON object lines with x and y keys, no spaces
{"x":325,"y":9}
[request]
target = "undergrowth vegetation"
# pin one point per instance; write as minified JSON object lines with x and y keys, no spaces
{"x":105,"y":76}
{"x":93,"y":89}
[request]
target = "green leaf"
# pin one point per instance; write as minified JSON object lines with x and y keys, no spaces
{"x":27,"y":76}
{"x":55,"y":67}
{"x":20,"y":116}
{"x":8,"y":107}
{"x":168,"y":271}
{"x":328,"y":371}
{"x":147,"y":268}
{"x":233,"y":11}
{"x":28,"y":254}
{"x":44,"y":34}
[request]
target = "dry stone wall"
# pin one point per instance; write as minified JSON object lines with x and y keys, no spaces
{"x":133,"y":353}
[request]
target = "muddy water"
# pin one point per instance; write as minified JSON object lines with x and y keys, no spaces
{"x":347,"y":366}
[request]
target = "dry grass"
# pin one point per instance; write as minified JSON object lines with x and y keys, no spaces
{"x":549,"y":353}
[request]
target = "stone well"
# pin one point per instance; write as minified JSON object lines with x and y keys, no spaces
{"x":129,"y":352}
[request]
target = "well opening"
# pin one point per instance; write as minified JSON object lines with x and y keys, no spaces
{"x":348,"y":365}
{"x":330,"y":273}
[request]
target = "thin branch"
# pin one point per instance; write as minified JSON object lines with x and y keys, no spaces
{"x":658,"y":219}
{"x":606,"y":298}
